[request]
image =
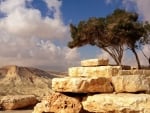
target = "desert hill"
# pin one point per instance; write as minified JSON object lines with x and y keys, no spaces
{"x":24,"y":80}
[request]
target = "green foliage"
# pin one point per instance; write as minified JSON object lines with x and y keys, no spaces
{"x":111,"y":33}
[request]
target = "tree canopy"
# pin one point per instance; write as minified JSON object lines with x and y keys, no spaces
{"x":111,"y":33}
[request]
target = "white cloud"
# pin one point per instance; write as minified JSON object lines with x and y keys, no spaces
{"x":54,"y":5}
{"x":36,"y":52}
{"x":26,"y":38}
{"x":144,"y":8}
{"x":24,"y":22}
{"x":141,"y":6}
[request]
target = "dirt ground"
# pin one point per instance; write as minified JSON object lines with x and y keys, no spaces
{"x":17,"y":111}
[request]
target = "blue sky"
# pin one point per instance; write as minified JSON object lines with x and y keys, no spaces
{"x":77,"y":10}
{"x":35,"y":32}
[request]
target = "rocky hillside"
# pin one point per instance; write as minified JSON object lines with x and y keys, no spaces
{"x":24,"y":80}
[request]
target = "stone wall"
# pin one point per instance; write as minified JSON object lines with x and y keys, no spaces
{"x":99,"y":88}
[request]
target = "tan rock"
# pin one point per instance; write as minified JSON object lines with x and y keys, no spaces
{"x":18,"y":101}
{"x":58,"y":103}
{"x":94,"y":62}
{"x":128,"y":83}
{"x":117,"y":103}
{"x":81,"y":84}
{"x":134,"y":72}
{"x":12,"y":71}
{"x":101,"y":71}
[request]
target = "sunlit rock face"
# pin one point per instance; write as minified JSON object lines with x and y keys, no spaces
{"x":131,"y":83}
{"x":117,"y":103}
{"x":135,"y":72}
{"x":95,"y":62}
{"x":100,"y":71}
{"x":58,"y":103}
{"x":82,"y":85}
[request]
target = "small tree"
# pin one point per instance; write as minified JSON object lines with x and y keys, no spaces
{"x":145,"y":40}
{"x":110,"y":33}
{"x":95,"y":32}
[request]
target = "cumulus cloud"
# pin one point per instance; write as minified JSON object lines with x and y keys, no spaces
{"x":23,"y":22}
{"x":26,"y":37}
{"x":142,"y":7}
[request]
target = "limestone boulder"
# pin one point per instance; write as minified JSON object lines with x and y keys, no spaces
{"x":17,"y":101}
{"x":117,"y":103}
{"x":58,"y":103}
{"x":95,"y":62}
{"x":128,"y":83}
{"x":100,"y":71}
{"x":82,"y":84}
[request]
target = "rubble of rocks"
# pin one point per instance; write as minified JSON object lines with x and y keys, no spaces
{"x":97,"y":87}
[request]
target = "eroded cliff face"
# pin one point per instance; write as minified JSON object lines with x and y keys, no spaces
{"x":15,"y":80}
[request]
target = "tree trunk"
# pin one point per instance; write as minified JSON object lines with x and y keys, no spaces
{"x":149,"y":61}
{"x":115,"y":58}
{"x":137,"y":58}
{"x":148,"y":58}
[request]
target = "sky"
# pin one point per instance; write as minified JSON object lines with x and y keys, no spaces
{"x":35,"y":33}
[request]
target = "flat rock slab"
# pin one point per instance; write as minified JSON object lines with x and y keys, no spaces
{"x":100,"y":71}
{"x":135,"y":72}
{"x":95,"y":62}
{"x":17,"y":101}
{"x":82,"y":85}
{"x":58,"y":103}
{"x":131,"y":83}
{"x":117,"y":103}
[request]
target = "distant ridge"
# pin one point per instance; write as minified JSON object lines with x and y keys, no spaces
{"x":24,"y":80}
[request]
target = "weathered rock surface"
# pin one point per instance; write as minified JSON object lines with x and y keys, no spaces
{"x":58,"y":103}
{"x":95,"y":62}
{"x":135,"y":72}
{"x":117,"y":103}
{"x":17,"y":101}
{"x":101,"y":71}
{"x":82,"y":84}
{"x":128,"y":83}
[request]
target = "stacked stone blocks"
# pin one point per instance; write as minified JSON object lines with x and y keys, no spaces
{"x":97,"y":87}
